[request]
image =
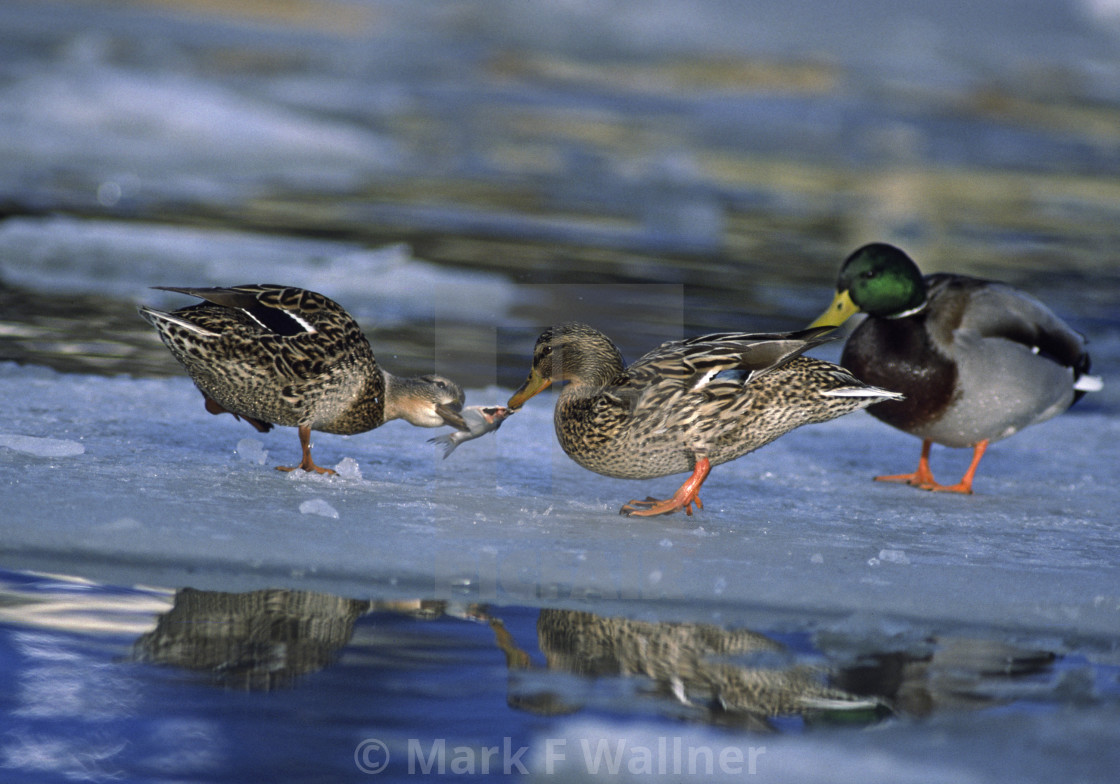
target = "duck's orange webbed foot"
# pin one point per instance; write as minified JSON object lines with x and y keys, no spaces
{"x":651,"y":507}
{"x":684,"y":498}
{"x":923,"y":477}
{"x":307,"y":467}
{"x":922,"y":481}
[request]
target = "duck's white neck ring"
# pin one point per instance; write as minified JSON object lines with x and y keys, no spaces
{"x":910,"y":312}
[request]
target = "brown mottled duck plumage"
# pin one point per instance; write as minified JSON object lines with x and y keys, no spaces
{"x":287,"y":356}
{"x":687,"y":405}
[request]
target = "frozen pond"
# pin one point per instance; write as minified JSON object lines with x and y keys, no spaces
{"x":458,"y":175}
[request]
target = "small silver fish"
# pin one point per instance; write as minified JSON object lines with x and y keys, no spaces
{"x":480,"y":419}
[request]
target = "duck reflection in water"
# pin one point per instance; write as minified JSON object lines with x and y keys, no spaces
{"x":745,"y":679}
{"x":696,"y":672}
{"x":260,"y":640}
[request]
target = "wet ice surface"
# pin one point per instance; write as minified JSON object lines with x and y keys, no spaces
{"x":509,"y":517}
{"x":457,"y":175}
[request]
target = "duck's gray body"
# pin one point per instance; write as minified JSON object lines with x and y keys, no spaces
{"x":980,"y":362}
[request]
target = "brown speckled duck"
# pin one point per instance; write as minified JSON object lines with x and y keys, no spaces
{"x":687,"y":405}
{"x":976,"y":359}
{"x":278,"y":355}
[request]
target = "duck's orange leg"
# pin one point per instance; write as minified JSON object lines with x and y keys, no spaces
{"x":684,"y":498}
{"x":923,"y":477}
{"x":965,"y":485}
{"x":307,"y":464}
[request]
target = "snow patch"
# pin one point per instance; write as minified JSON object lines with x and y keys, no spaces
{"x":252,"y":451}
{"x":41,"y":447}
{"x":348,"y":468}
{"x":318,"y":506}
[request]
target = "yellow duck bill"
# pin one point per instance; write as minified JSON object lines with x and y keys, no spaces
{"x":841,"y":309}
{"x":533,"y":385}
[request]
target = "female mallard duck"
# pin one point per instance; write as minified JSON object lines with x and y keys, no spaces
{"x":286,"y":356}
{"x":687,"y":405}
{"x":977,"y":360}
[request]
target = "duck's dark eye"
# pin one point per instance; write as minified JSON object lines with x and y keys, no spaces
{"x":546,"y":350}
{"x":867,"y":274}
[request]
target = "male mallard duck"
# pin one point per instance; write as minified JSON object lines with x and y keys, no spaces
{"x":286,"y":356}
{"x":687,"y":405}
{"x":977,"y":360}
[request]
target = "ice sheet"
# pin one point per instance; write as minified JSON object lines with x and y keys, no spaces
{"x":168,"y":494}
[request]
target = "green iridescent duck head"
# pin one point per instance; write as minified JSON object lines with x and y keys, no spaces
{"x":879,"y":280}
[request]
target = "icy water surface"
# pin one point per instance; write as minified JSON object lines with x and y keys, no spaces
{"x":282,"y":684}
{"x":458,"y":175}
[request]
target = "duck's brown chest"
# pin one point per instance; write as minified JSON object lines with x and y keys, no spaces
{"x":897,"y":354}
